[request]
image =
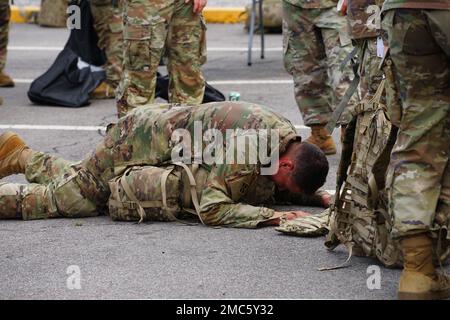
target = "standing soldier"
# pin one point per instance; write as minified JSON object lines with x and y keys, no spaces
{"x":316,"y":42}
{"x":151,"y":28}
{"x":108,"y":23}
{"x":418,"y":34}
{"x":5,"y":14}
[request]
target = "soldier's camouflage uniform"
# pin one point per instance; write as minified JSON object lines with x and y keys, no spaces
{"x":108,"y":25}
{"x":364,"y":35}
{"x":151,"y":29}
{"x":315,"y":44}
{"x":5,"y":14}
{"x":229,"y":194}
{"x":419,"y":177}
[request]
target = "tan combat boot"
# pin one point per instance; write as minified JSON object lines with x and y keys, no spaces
{"x":321,"y":138}
{"x":5,"y":80}
{"x":14,"y":154}
{"x":419,"y":279}
{"x":103,"y":91}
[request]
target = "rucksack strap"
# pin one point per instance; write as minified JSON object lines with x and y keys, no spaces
{"x":193,"y":190}
{"x":348,"y":94}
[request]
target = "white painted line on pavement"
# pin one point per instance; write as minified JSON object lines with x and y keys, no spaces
{"x":211,"y":49}
{"x":27,"y":48}
{"x":242,"y":49}
{"x":23,"y":81}
{"x":214,"y":83}
{"x":50,"y":127}
{"x":74,"y":128}
{"x":245,"y":82}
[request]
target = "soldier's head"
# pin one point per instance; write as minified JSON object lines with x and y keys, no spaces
{"x":303,"y":168}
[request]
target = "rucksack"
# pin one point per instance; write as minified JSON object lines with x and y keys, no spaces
{"x":359,"y":217}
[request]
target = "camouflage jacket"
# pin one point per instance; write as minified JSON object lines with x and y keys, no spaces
{"x":245,"y":209}
{"x":143,"y":137}
{"x":417,"y":4}
{"x":313,"y":4}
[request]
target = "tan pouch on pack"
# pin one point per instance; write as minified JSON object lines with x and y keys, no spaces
{"x":146,"y":194}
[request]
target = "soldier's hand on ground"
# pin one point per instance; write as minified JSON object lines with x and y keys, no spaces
{"x":327,"y":199}
{"x":288,"y":215}
{"x":198,"y":5}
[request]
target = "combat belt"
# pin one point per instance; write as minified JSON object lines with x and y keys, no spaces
{"x":151,"y":194}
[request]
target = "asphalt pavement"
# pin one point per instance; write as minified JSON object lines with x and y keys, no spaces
{"x":118,"y":260}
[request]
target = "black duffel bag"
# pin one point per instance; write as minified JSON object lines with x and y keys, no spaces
{"x":72,"y":78}
{"x":65,"y":84}
{"x":162,"y":90}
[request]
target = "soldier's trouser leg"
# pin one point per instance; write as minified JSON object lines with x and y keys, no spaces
{"x":43,"y":168}
{"x":315,"y":43}
{"x":108,"y":25}
{"x":62,"y":189}
{"x":337,"y":48}
{"x":419,"y":161}
{"x":5,"y":14}
{"x":186,"y":52}
{"x":305,"y":60}
{"x":145,"y":33}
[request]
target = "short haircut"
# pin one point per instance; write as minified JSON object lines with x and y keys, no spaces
{"x":311,"y":167}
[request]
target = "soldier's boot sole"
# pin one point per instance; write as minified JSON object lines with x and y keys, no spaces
{"x":417,"y":286}
{"x":11,"y":148}
{"x":6,"y":81}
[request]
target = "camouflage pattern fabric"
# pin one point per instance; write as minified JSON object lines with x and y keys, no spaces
{"x":417,"y":4}
{"x":369,"y":69}
{"x":313,"y":4}
{"x":316,"y":42}
{"x":311,"y":226}
{"x":419,"y":177}
{"x":358,"y":18}
{"x":230,"y":194}
{"x":152,"y":28}
{"x":108,"y":25}
{"x":359,"y":218}
{"x":53,"y":13}
{"x":5,"y":14}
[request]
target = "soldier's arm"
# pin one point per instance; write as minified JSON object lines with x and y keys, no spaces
{"x":319,"y":199}
{"x":217,"y":207}
{"x":197,"y":5}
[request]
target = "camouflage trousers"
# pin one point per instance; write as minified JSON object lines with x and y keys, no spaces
{"x":418,"y":178}
{"x":157,"y":27}
{"x":58,"y":188}
{"x":315,"y":43}
{"x":5,"y":14}
{"x":108,"y":25}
